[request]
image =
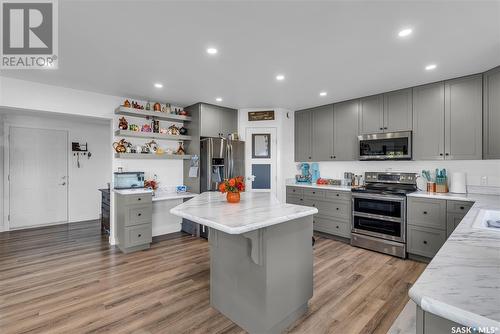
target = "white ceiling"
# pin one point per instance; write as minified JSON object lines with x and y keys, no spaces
{"x":349,"y":49}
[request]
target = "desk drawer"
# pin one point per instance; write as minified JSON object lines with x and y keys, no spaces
{"x":138,"y":235}
{"x":139,"y":215}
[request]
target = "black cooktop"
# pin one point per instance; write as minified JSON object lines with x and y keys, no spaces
{"x":386,"y":189}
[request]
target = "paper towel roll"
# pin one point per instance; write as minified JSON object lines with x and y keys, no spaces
{"x":458,"y":183}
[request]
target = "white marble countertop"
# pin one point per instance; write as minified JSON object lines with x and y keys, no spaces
{"x":317,"y":186}
{"x":462,"y":282}
{"x":255,"y":211}
{"x":159,"y":195}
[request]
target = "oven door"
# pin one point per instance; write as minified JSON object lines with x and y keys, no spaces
{"x":379,"y":216}
{"x":385,"y":146}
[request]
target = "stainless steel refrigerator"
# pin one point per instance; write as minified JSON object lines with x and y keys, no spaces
{"x":220,"y":159}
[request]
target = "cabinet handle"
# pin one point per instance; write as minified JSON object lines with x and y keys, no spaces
{"x":338,"y":195}
{"x":425,"y":212}
{"x":337,"y":209}
{"x":334,"y":157}
{"x":139,"y":199}
{"x":301,"y":199}
{"x":331,"y":156}
{"x":139,"y":235}
{"x":425,"y":242}
{"x":447,"y":154}
{"x":139,"y":214}
{"x":441,"y":154}
{"x":314,"y":192}
{"x":461,"y":208}
{"x":310,"y":158}
{"x":385,"y":127}
{"x":337,"y":226}
{"x":381,"y":128}
{"x":314,"y":205}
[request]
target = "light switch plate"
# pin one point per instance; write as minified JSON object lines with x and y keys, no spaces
{"x":484,"y":180}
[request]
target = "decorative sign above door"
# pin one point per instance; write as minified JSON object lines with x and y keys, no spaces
{"x":267,"y":115}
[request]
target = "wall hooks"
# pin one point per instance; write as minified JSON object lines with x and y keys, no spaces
{"x":80,"y":150}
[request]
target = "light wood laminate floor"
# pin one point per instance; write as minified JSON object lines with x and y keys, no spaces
{"x":67,"y":279}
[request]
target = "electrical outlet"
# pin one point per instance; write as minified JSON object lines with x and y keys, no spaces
{"x":484,"y":180}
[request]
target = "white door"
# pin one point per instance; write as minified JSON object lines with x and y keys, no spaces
{"x":260,"y":157}
{"x":38,"y":177}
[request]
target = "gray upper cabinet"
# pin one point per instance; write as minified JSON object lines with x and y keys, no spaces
{"x":463,"y":118}
{"x":218,"y":121}
{"x":398,"y":110}
{"x":322,"y":133}
{"x":491,"y":114}
{"x":428,"y":122}
{"x":371,"y":114}
{"x":303,"y":138}
{"x":345,"y":123}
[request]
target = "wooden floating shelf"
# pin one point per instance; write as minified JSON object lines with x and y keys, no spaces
{"x":152,"y":135}
{"x":151,"y":156}
{"x":150,"y":114}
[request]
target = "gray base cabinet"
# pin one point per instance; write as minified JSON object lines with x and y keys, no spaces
{"x":428,"y":323}
{"x":491,"y":114}
{"x":334,"y":208}
{"x":133,"y":221}
{"x":431,"y":222}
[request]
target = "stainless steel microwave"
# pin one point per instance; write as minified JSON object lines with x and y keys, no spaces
{"x":385,"y":146}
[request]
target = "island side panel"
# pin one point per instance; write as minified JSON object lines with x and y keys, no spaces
{"x":263,"y":290}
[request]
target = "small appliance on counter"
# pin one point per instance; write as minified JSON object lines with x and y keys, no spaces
{"x":128,"y":180}
{"x":458,"y":183}
{"x":305,"y":175}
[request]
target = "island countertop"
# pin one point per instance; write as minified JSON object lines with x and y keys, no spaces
{"x":462,"y":282}
{"x":255,"y":211}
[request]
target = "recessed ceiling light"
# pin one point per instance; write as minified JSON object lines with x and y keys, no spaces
{"x":280,"y":77}
{"x":405,"y":32}
{"x":158,"y":85}
{"x":218,"y":99}
{"x":430,"y":67}
{"x":322,"y":94}
{"x":211,"y":51}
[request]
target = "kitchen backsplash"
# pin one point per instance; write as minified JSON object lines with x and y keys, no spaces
{"x":480,"y":173}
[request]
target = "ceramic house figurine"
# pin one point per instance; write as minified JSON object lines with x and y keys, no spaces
{"x":126,"y":104}
{"x":123,"y":125}
{"x":180,"y":150}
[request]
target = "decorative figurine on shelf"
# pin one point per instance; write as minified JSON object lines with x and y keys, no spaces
{"x":164,"y":108}
{"x":148,"y":106}
{"x":155,"y":124}
{"x":157,"y":107}
{"x":126,"y":104}
{"x":169,"y":151}
{"x":183,"y":131}
{"x":153,"y":146}
{"x":168,"y":108}
{"x":183,"y":112}
{"x":164,"y":131}
{"x":128,"y":147}
{"x":134,"y":127}
{"x":173,"y":130}
{"x":123,"y":124}
{"x":144,"y":149}
{"x":120,"y":146}
{"x":181,"y":150}
{"x":160,"y":151}
{"x":146,"y":128}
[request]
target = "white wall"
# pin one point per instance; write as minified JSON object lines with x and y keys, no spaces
{"x":283,"y":123}
{"x":83,"y":198}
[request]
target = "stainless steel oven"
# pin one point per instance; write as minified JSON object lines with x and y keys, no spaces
{"x":382,"y":216}
{"x":386,"y":146}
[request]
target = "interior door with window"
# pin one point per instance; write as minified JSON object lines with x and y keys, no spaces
{"x":261,"y":159}
{"x":38,"y":177}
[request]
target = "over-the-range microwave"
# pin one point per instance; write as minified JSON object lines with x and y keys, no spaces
{"x":385,"y":146}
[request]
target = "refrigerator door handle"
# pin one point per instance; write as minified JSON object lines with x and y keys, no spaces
{"x":210,"y":149}
{"x":232,"y":161}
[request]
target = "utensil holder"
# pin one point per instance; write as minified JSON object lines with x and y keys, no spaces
{"x":431,"y":187}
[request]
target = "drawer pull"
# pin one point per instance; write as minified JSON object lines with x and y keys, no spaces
{"x":425,"y":212}
{"x":461,"y":208}
{"x":337,"y":195}
{"x":139,"y":214}
{"x":139,"y":199}
{"x":337,"y":226}
{"x":139,"y":235}
{"x":337,"y":209}
{"x":314,"y":192}
{"x":314,"y":204}
{"x":293,"y":190}
{"x":425,"y":242}
{"x":301,"y":199}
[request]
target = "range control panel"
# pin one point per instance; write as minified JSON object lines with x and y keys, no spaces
{"x":390,"y":177}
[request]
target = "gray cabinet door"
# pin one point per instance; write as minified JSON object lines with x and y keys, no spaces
{"x":463,"y":118}
{"x":398,"y":110}
{"x":228,"y":121}
{"x":428,"y":122}
{"x":345,"y":123}
{"x":322,"y":133}
{"x":371,"y":114}
{"x":210,"y":121}
{"x":491,"y":114}
{"x":303,"y":136}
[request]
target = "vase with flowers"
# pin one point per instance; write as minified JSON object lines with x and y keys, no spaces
{"x":232,"y":187}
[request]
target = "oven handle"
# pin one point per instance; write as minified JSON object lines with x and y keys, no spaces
{"x":378,"y":217}
{"x":379,"y":197}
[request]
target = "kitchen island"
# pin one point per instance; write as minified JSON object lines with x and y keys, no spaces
{"x":261,"y":259}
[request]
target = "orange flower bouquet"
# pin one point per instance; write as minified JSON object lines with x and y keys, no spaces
{"x":233,"y":187}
